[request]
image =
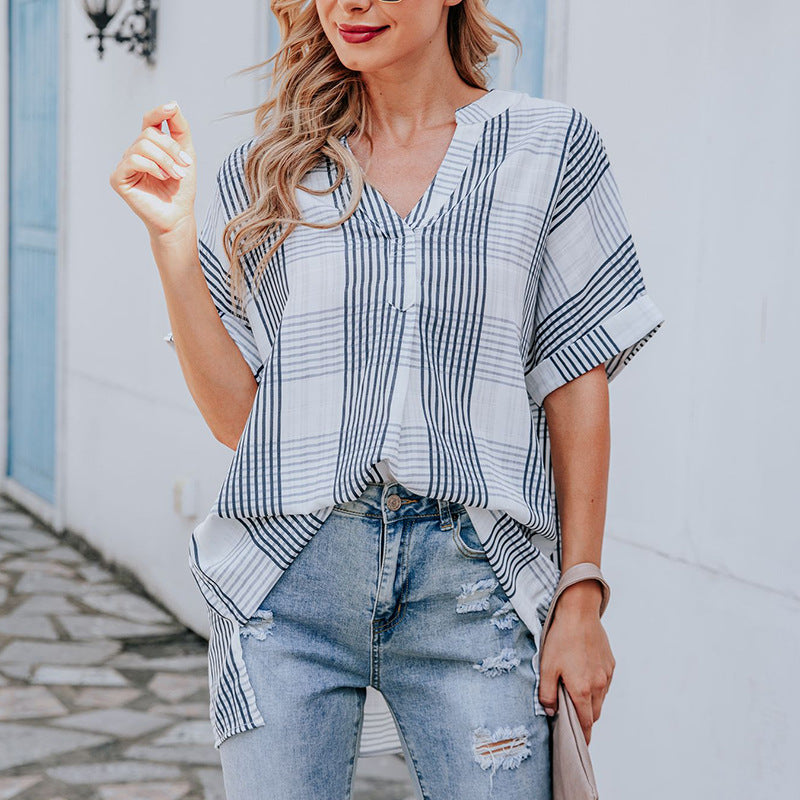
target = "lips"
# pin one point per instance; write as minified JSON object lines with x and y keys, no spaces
{"x":357,"y":34}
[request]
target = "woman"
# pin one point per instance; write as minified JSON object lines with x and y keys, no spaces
{"x":402,"y":312}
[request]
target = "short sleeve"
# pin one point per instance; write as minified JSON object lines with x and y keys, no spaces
{"x":216,"y":269}
{"x":591,"y":303}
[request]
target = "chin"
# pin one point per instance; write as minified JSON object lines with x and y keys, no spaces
{"x":372,"y":62}
{"x":361,"y":62}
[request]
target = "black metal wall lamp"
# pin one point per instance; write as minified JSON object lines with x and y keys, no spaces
{"x":137,"y":28}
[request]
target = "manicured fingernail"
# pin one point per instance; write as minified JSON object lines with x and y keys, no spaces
{"x":185,"y":158}
{"x":170,"y":106}
{"x":550,"y":711}
{"x":179,"y":170}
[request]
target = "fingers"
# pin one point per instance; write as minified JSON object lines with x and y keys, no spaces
{"x":166,"y":153}
{"x":582,"y":700}
{"x":178,"y":126}
{"x":163,"y":155}
{"x":167,"y":158}
{"x":171,"y":112}
{"x":600,"y":692}
{"x":142,"y":164}
{"x":179,"y":136}
{"x":597,"y":704}
{"x":548,"y":691}
{"x":587,"y":701}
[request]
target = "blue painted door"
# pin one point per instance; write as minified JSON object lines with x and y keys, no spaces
{"x":33,"y":194}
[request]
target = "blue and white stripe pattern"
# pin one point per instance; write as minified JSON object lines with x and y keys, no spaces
{"x":420,"y":350}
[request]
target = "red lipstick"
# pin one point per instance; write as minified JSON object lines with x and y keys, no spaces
{"x":357,"y":34}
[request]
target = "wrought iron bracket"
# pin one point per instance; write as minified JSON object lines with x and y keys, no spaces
{"x":137,"y":29}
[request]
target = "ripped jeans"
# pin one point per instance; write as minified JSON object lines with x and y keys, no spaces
{"x":393,"y":591}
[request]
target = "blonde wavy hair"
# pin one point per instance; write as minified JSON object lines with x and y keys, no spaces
{"x":314,"y":101}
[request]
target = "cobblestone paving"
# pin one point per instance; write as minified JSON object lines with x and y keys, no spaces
{"x":103,"y":694}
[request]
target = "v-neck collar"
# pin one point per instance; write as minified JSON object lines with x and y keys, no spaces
{"x":470,"y":123}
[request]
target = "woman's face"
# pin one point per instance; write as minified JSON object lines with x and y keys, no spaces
{"x":369,"y":35}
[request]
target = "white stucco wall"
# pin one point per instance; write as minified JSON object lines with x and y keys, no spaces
{"x":132,"y":429}
{"x":696,"y":106}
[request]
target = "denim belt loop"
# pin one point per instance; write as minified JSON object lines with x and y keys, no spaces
{"x":445,"y":515}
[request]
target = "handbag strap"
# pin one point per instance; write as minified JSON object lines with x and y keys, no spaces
{"x":577,"y":572}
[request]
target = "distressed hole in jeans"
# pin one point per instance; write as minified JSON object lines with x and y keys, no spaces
{"x":505,"y":616}
{"x":504,"y":662}
{"x":506,"y":747}
{"x":475,"y":596}
{"x":259,"y":625}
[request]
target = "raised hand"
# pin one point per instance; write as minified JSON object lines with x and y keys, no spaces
{"x":157,"y":174}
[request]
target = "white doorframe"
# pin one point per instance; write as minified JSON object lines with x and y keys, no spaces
{"x":555,"y":56}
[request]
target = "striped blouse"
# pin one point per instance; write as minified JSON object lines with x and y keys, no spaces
{"x":418,"y":349}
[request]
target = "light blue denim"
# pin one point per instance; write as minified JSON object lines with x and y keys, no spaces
{"x":406,"y":601}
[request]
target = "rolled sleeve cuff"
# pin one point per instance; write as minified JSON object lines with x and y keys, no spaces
{"x":612,"y":342}
{"x":243,"y":339}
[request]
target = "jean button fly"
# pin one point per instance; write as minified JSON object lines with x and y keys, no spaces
{"x":393,"y":502}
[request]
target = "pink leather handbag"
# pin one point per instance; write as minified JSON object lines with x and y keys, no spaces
{"x":573,"y":776}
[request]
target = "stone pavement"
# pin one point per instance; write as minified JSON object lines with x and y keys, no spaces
{"x":103,"y":694}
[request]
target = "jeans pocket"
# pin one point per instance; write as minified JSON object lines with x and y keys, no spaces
{"x":466,"y":538}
